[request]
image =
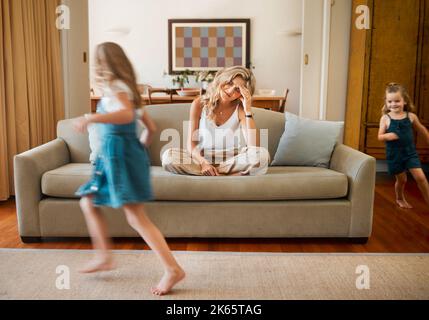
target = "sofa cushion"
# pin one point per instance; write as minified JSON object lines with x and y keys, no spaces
{"x":64,"y":181}
{"x":280,"y":183}
{"x":307,"y":142}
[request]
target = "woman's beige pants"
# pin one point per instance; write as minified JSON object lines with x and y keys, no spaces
{"x":250,"y":160}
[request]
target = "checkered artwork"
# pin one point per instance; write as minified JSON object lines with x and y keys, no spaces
{"x":202,"y":46}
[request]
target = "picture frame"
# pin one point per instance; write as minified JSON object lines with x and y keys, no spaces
{"x":207,"y":44}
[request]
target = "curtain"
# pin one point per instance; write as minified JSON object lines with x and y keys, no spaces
{"x":31,"y":84}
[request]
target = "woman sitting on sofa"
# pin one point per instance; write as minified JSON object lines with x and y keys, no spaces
{"x":213,"y":134}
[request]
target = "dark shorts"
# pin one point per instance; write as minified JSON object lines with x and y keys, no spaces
{"x":398,"y":163}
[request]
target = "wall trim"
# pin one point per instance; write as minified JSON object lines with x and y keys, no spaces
{"x":324,"y":77}
{"x":65,"y":66}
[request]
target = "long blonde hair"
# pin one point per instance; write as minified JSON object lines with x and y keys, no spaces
{"x":394,"y":88}
{"x":211,"y":99}
{"x":117,"y":67}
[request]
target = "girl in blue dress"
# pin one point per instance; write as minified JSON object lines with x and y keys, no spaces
{"x":121,"y":175}
{"x":396,"y":130}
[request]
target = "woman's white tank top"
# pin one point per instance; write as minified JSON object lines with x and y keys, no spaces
{"x":216,"y":138}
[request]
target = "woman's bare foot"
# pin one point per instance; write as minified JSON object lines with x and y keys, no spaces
{"x":404,"y":204}
{"x":98,"y":264}
{"x":169,"y":279}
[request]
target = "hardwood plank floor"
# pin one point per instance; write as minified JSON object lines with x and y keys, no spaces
{"x":394,"y":230}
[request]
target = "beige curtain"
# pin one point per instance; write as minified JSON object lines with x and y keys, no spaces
{"x":31,"y":85}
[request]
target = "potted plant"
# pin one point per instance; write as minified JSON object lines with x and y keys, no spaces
{"x":181,"y":78}
{"x":205,"y":77}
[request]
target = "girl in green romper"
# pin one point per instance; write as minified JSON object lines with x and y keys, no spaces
{"x":396,"y":130}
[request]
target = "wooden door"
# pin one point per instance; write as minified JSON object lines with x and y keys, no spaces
{"x":395,"y":49}
{"x":422,"y":103}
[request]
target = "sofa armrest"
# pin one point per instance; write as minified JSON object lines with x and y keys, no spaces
{"x":29,"y":167}
{"x":360,"y":170}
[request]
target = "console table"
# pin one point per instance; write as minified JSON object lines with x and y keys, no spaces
{"x":266,"y":102}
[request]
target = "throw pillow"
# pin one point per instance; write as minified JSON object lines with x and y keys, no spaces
{"x":307,"y":142}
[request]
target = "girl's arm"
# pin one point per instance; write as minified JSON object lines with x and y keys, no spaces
{"x":123,"y":116}
{"x":421,"y":129}
{"x":147,"y":135}
{"x":382,"y":135}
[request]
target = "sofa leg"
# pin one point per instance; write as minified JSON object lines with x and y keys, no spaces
{"x":362,"y":240}
{"x":31,"y":239}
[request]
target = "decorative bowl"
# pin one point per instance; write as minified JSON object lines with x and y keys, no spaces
{"x":266,"y":92}
{"x":188,"y":92}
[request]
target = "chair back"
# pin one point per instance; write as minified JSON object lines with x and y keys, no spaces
{"x":167,"y":98}
{"x":283,"y":102}
{"x":143,"y":88}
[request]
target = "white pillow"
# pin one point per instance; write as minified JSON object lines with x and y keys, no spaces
{"x":307,"y":142}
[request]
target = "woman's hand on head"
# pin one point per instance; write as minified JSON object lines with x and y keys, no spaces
{"x":246,"y":98}
{"x":208,"y":170}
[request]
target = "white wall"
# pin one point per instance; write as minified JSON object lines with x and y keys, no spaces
{"x":341,"y":15}
{"x":312,"y":42}
{"x":74,"y":42}
{"x":275,"y":55}
{"x":316,"y":103}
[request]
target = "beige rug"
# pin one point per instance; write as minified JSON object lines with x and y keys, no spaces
{"x":32,"y":274}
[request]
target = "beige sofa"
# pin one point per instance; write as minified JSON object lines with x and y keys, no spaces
{"x":286,"y":202}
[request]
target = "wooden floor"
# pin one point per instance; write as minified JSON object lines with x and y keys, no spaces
{"x":394,"y":230}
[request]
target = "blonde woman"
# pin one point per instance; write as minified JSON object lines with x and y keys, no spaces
{"x":214,"y":131}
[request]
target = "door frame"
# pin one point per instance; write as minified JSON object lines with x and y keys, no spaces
{"x":74,"y":53}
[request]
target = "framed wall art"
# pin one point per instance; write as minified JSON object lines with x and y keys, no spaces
{"x":208,"y":44}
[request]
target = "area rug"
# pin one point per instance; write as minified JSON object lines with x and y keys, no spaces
{"x":52,"y":274}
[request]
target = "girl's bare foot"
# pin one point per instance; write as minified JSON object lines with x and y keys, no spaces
{"x":168,"y":281}
{"x":404,"y":204}
{"x":98,"y":264}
